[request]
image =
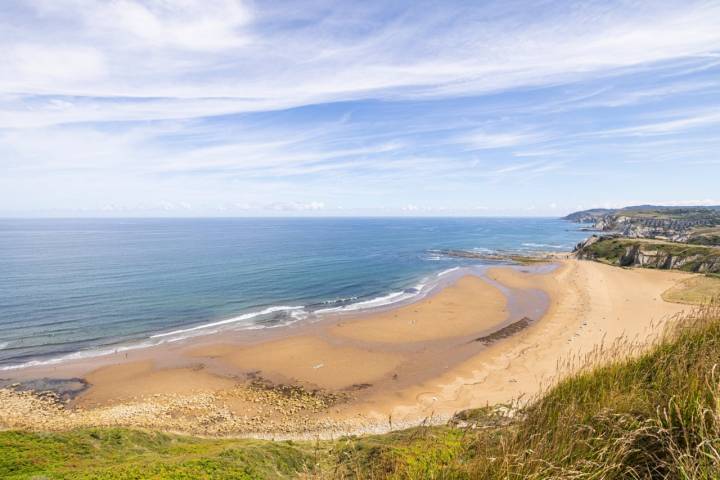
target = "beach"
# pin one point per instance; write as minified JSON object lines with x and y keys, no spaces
{"x":491,"y":339}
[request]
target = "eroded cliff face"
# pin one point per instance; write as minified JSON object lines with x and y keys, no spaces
{"x":673,"y":230}
{"x":582,"y":250}
{"x":633,"y":227}
{"x":698,"y":225}
{"x":640,"y":255}
{"x":619,"y":251}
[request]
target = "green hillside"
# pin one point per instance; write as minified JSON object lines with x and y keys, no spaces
{"x":709,"y":215}
{"x":626,"y":252}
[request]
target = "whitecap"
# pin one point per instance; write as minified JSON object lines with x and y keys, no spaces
{"x":389,"y":299}
{"x":449,"y":270}
{"x":239,"y":318}
{"x":79,"y":356}
{"x":542,"y":245}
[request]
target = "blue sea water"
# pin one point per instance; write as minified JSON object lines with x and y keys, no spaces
{"x":73,"y":287}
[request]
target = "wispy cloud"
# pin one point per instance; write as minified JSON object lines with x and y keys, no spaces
{"x":667,"y":127}
{"x":482,"y":140}
{"x":263,"y":57}
{"x":242,"y":107}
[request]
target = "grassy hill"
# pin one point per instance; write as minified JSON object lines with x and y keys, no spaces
{"x":654,"y":416}
{"x":704,"y":214}
{"x":625,"y":252}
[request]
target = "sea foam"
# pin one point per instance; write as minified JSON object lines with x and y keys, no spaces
{"x":239,"y":318}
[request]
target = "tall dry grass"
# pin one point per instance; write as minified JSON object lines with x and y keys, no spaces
{"x":630,"y":410}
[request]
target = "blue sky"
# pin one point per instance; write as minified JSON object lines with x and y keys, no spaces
{"x":235,"y":108}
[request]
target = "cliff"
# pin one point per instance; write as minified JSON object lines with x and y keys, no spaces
{"x":625,"y":252}
{"x":697,"y":225}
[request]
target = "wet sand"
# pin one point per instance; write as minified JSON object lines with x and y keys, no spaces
{"x":311,"y":361}
{"x":468,"y":306}
{"x":478,"y":341}
{"x":130,"y":381}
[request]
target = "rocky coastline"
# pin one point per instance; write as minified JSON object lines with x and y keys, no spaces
{"x":695,"y":225}
{"x":648,"y":236}
{"x":499,"y":257}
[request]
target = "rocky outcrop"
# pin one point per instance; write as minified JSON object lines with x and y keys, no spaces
{"x":588,"y":216}
{"x":666,"y":229}
{"x":675,"y":224}
{"x":624,"y":252}
{"x":658,"y":258}
{"x":537,"y":257}
{"x":582,"y":250}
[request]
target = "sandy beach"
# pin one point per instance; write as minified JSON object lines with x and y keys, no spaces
{"x":480,"y":340}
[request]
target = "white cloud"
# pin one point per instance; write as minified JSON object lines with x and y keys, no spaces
{"x":184,"y":24}
{"x":296,"y":206}
{"x":632,"y":95}
{"x":36,"y":67}
{"x":538,"y":153}
{"x":484,"y":140}
{"x":667,"y":127}
{"x":527,"y":168}
{"x":151,"y":24}
{"x":147,"y":51}
{"x":106,"y":100}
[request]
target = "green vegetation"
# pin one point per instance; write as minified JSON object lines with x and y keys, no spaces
{"x":654,"y":416}
{"x":512,"y":257}
{"x":705,"y":240}
{"x":695,"y":291}
{"x":705,"y":236}
{"x":128,"y":454}
{"x":706,"y":215}
{"x":527,"y":260}
{"x":609,"y":250}
{"x":623,"y":251}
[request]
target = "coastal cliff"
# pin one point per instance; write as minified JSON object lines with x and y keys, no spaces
{"x":695,"y":225}
{"x":650,"y":236}
{"x":626,"y":252}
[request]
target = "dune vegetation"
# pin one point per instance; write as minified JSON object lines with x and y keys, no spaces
{"x":653,"y":414}
{"x":697,"y":290}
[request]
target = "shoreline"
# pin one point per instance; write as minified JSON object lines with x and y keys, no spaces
{"x":251,"y":334}
{"x":363,"y":373}
{"x":418,"y":289}
{"x":424,"y":286}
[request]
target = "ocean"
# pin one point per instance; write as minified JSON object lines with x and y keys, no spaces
{"x":81,"y":287}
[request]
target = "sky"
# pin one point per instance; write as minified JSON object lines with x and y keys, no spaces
{"x":127,"y":108}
